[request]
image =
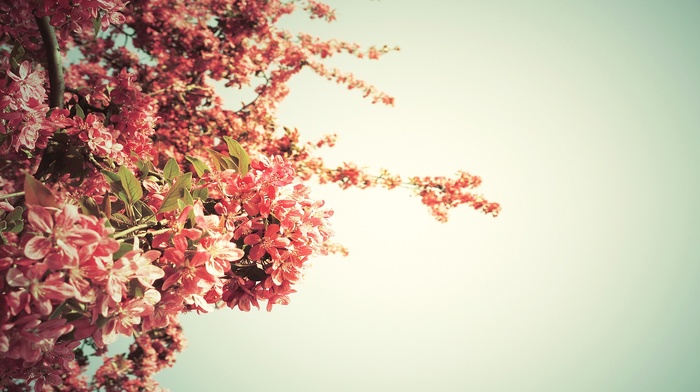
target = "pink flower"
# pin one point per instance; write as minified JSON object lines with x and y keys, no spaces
{"x":271,"y":243}
{"x":31,"y":84}
{"x":42,"y":289}
{"x":222,"y":251}
{"x":126,"y":318}
{"x":62,"y":235}
{"x":30,"y":338}
{"x":143,"y":268}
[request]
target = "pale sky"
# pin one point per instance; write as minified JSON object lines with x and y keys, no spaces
{"x":582,"y":119}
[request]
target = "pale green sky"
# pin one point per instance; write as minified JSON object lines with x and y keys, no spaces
{"x":582,"y":118}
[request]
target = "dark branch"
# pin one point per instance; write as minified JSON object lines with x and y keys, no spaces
{"x":53,"y":56}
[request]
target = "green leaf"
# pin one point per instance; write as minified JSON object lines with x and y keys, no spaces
{"x":171,"y":170}
{"x":200,"y":193}
{"x":144,"y":211}
{"x":221,"y":161}
{"x":189,"y":201}
{"x":123,"y":248}
{"x":182,"y":183}
{"x":89,"y":206}
{"x":79,"y":111}
{"x":57,"y":312}
{"x":15,"y":214}
{"x":115,"y":184}
{"x":107,"y":205}
{"x":135,"y":288}
{"x":16,"y":226}
{"x":120,"y":221}
{"x":228,"y":163}
{"x":17,"y":55}
{"x":37,"y":193}
{"x":214,"y":159}
{"x":145,"y":167}
{"x":131,"y":184}
{"x":237,"y":152}
{"x":96,"y":24}
{"x":199,"y":166}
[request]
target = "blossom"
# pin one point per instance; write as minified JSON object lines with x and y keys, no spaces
{"x":271,"y":243}
{"x":30,"y":83}
{"x":222,"y":253}
{"x":59,"y":236}
{"x":43,"y":290}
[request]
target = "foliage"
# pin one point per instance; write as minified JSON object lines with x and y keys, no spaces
{"x":128,"y":192}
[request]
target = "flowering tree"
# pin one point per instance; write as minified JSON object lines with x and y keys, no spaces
{"x":128,"y":195}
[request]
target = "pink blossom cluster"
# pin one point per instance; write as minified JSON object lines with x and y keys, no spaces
{"x":17,"y":19}
{"x":60,"y":285}
{"x":250,"y":241}
{"x":114,"y":234}
{"x":68,"y":276}
{"x":23,"y":108}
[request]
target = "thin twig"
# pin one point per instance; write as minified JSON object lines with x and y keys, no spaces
{"x":137,"y":228}
{"x":9,"y":195}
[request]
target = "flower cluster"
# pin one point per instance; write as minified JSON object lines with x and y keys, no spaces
{"x":278,"y":225}
{"x":23,"y":108}
{"x":68,"y":276}
{"x":127,"y":195}
{"x":63,"y":281}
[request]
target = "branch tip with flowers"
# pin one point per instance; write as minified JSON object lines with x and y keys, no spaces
{"x":127,"y":192}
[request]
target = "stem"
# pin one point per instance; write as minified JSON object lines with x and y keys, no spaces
{"x":9,"y":195}
{"x":137,"y":228}
{"x":53,"y":58}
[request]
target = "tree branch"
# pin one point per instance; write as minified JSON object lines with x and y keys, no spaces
{"x":53,"y":57}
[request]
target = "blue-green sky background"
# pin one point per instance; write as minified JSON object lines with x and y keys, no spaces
{"x":583,"y":118}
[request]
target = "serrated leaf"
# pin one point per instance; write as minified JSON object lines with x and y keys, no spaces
{"x":182,"y":183}
{"x":237,"y":152}
{"x":171,"y":170}
{"x":111,"y":177}
{"x":37,"y":193}
{"x":116,"y":185}
{"x":131,"y":184}
{"x":199,"y":166}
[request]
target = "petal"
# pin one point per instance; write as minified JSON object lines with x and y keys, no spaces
{"x":68,"y":216}
{"x":16,"y":278}
{"x":40,"y":218}
{"x":37,"y":248}
{"x":256,"y":252}
{"x":24,"y":69}
{"x":82,"y":237}
{"x":251,"y":239}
